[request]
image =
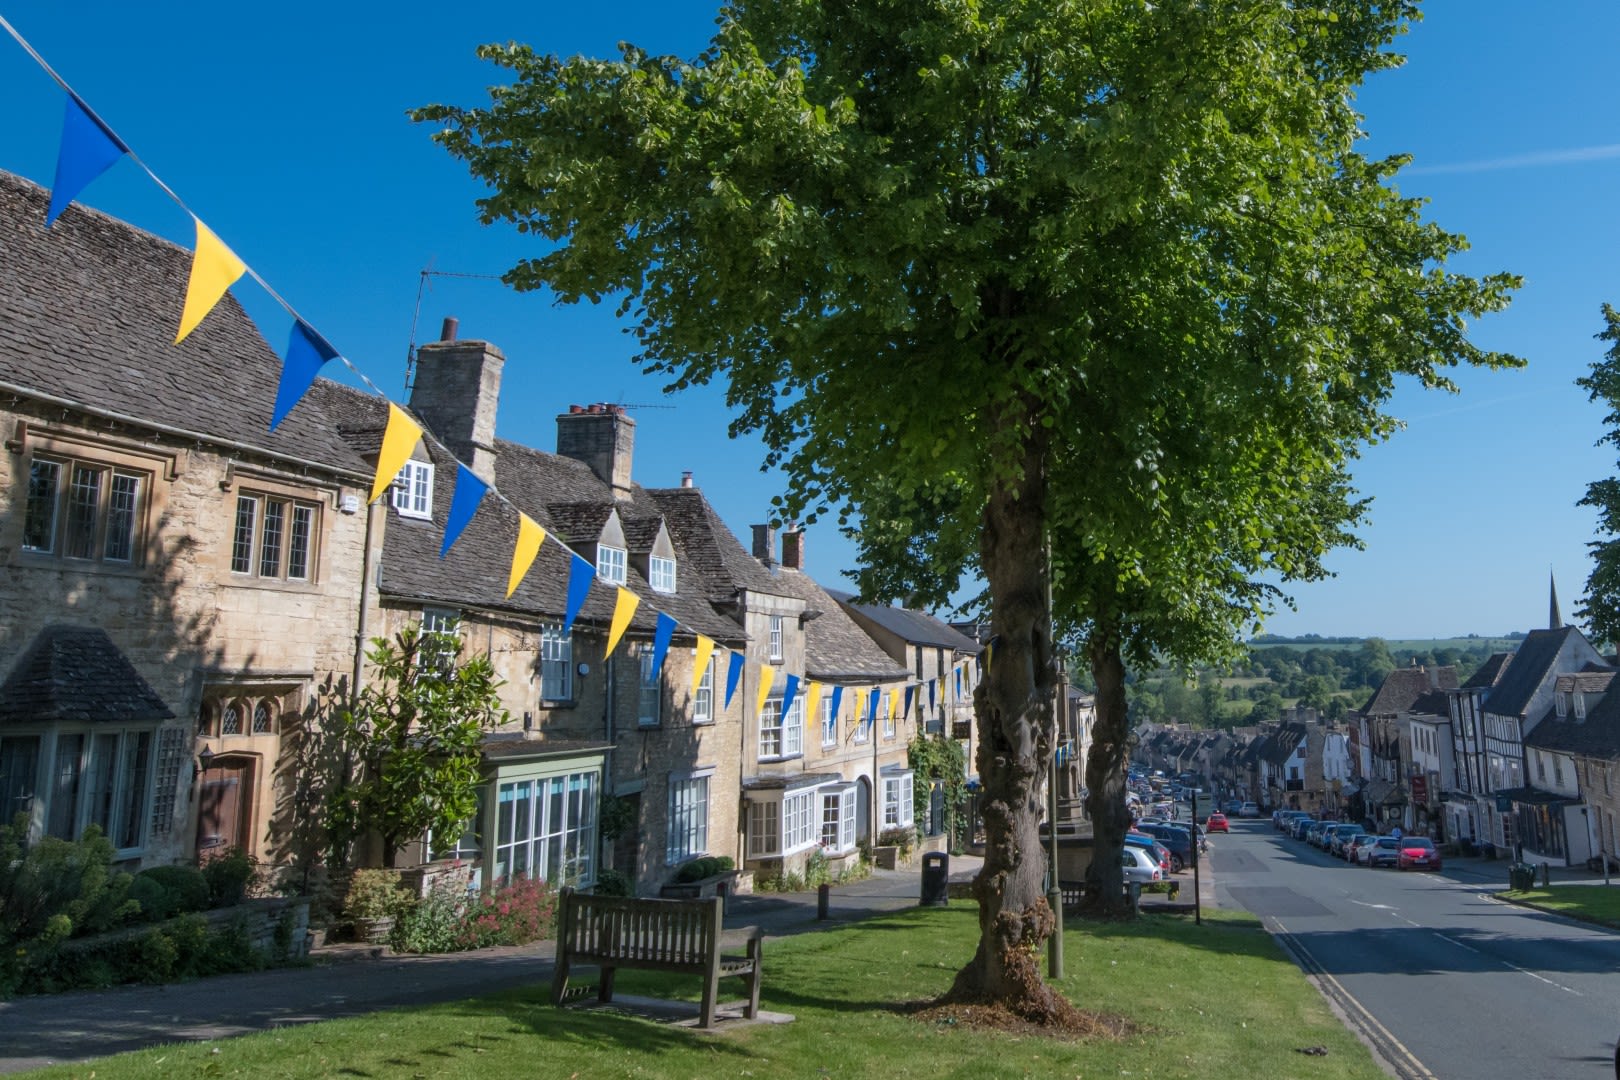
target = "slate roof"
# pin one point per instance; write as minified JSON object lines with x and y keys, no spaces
{"x":91,"y":309}
{"x":1535,"y":657}
{"x":1596,"y":735}
{"x":835,"y":647}
{"x":1280,"y":745}
{"x":715,"y":553}
{"x":1431,"y":705}
{"x":475,"y":572}
{"x":1403,"y":686}
{"x":1489,"y":673}
{"x":76,"y":673}
{"x":915,"y":627}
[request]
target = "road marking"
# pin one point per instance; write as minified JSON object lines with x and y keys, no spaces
{"x":1379,"y":1038}
{"x":1506,"y":964}
{"x":1375,"y":907}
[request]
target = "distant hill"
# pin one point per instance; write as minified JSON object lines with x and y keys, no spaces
{"x":1470,"y":643}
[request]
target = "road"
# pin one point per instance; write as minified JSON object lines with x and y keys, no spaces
{"x":1442,"y":980}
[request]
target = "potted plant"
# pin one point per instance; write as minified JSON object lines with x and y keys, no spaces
{"x":374,"y":900}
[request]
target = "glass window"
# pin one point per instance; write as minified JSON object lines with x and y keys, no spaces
{"x":273,"y":538}
{"x":556,"y":664}
{"x":82,"y":510}
{"x":781,"y":737}
{"x":838,"y":820}
{"x":887,"y":715}
{"x":688,"y":819}
{"x":19,"y":762}
{"x":441,"y":642}
{"x":546,"y":829}
{"x":651,"y":690}
{"x":661,"y":573}
{"x":610,"y":564}
{"x":776,"y":637}
{"x":413,"y":490}
{"x":703,"y":700}
{"x":102,"y":779}
{"x":829,"y":723}
{"x":799,"y":821}
{"x":765,"y":829}
{"x":897,"y":800}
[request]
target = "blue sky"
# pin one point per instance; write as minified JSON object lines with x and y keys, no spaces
{"x":283,"y":127}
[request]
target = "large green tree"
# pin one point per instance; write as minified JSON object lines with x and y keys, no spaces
{"x":1601,"y":605}
{"x":1092,"y":300}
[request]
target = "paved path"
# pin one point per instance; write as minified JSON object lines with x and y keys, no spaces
{"x":355,"y":980}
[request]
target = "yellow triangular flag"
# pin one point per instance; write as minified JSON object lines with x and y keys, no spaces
{"x":812,"y":698}
{"x":700,"y":663}
{"x":894,"y":704}
{"x":530,"y":537}
{"x":767,"y":675}
{"x":399,"y":442}
{"x":214,"y":268}
{"x":623,"y":608}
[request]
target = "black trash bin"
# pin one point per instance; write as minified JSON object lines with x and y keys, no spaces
{"x":936,"y":879}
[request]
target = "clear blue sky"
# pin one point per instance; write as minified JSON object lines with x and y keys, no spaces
{"x":283,"y":127}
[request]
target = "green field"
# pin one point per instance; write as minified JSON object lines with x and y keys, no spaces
{"x":1400,"y":646}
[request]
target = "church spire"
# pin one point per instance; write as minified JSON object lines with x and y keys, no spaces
{"x":1555,"y":620}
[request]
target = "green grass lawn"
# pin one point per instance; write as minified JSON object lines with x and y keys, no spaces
{"x":1593,"y":903}
{"x":1210,"y":1002}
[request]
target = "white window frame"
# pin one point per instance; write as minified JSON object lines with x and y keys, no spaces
{"x":764,"y":829}
{"x":688,"y":821}
{"x":661,"y":574}
{"x":1580,"y":705}
{"x":438,"y":621}
{"x":413,"y":490}
{"x":612,"y":564}
{"x":863,"y":729}
{"x":703,"y":699}
{"x":838,"y":804}
{"x":552,"y":836}
{"x":886,"y":715}
{"x":556,"y":664}
{"x":776,"y":639}
{"x":781,"y":737}
{"x":829,"y":723}
{"x":899,"y":796}
{"x":785,"y":823}
{"x":650,"y":687}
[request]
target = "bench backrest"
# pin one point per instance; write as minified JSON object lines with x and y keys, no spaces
{"x":634,"y":929}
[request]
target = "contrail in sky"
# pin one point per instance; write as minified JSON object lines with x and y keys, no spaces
{"x":1525,"y":161}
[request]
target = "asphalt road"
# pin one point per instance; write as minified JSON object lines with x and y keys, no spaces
{"x":1442,"y":980}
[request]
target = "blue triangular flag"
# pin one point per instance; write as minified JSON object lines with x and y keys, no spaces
{"x":580,"y":576}
{"x":837,"y":699}
{"x":661,"y":636}
{"x":871,"y":708}
{"x":88,"y":149}
{"x":906,"y":710}
{"x":307,"y":353}
{"x":733,"y":676}
{"x":933,"y":684}
{"x":958,"y":683}
{"x":789,"y":691}
{"x":463,"y":505}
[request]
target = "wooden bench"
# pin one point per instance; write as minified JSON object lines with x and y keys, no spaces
{"x":615,"y":932}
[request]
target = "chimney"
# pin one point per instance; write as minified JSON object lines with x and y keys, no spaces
{"x":686,"y":478}
{"x":456,"y":390}
{"x":765,"y":543}
{"x":793,"y":547}
{"x":604,"y":438}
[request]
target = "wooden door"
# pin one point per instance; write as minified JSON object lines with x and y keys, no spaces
{"x":223,"y":808}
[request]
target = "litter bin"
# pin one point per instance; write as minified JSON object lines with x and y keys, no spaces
{"x":1521,"y":877}
{"x":936,"y":879}
{"x":1133,"y":895}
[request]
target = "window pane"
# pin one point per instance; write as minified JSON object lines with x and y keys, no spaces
{"x":303,"y":525}
{"x":136,"y":769}
{"x":242,"y":539}
{"x":651,"y":691}
{"x":122,"y":499}
{"x":662,"y":574}
{"x":275,"y":516}
{"x":19,"y":758}
{"x":64,"y":809}
{"x":263,"y":721}
{"x":39,"y":528}
{"x":84,"y":499}
{"x":556,"y":664}
{"x":703,"y":700}
{"x":100,"y":789}
{"x":230,"y":721}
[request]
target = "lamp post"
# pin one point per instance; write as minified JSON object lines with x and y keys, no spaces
{"x":1054,"y":890}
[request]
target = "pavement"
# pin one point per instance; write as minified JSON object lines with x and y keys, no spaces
{"x":353,"y":980}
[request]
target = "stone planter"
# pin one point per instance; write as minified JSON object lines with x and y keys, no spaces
{"x":374,"y":931}
{"x":886,"y":856}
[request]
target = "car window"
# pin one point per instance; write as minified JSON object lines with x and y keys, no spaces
{"x":1387,"y":842}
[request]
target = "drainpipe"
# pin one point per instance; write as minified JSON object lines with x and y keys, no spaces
{"x":367,"y":589}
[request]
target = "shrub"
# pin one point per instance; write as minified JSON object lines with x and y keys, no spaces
{"x":165,"y":891}
{"x":613,"y":883}
{"x":709,"y":866}
{"x":514,"y":914}
{"x":51,"y":879}
{"x":434,"y":923}
{"x":229,"y":876}
{"x":375,"y":894}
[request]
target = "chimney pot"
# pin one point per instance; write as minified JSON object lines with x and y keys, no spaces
{"x":686,"y":478}
{"x":576,"y":409}
{"x":447,"y":331}
{"x":793,"y":547}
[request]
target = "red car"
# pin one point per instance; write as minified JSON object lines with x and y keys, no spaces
{"x":1217,"y":823}
{"x":1418,"y":852}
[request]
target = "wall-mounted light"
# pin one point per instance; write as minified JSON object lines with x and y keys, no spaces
{"x":205,"y":758}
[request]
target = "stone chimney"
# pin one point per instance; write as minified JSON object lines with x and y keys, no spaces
{"x":765,"y":543}
{"x":604,"y":438}
{"x":793,"y":547}
{"x":455,"y":390}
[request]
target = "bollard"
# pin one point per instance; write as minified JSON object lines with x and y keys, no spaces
{"x":823,"y":899}
{"x":1546,"y":875}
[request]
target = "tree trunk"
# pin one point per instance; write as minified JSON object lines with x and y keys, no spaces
{"x":1105,"y":777}
{"x":1014,"y":712}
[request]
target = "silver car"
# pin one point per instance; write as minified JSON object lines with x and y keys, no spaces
{"x":1139,"y":866}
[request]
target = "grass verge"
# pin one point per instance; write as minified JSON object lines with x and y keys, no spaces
{"x":1208,"y":1002}
{"x":1589,"y":903}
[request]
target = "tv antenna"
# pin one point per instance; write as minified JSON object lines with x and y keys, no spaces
{"x":416,"y":315}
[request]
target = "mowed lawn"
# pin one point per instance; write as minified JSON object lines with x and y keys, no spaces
{"x":1210,"y":1002}
{"x":1591,"y":903}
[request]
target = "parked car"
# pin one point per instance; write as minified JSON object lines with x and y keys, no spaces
{"x":1232,"y":806}
{"x":1419,"y":853}
{"x":1300,"y":824}
{"x":1283,"y":820}
{"x":1178,"y":840}
{"x":1217,"y":823}
{"x":1340,"y":835}
{"x":1316,"y":836}
{"x":1160,"y":853}
{"x":1139,"y":866}
{"x":1383,"y":851}
{"x":1249,"y":809}
{"x":1352,"y":850}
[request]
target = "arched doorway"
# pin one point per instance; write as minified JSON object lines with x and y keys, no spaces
{"x":224,"y":806}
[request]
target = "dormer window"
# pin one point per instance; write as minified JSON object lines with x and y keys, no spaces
{"x":610,"y":564}
{"x":1561,"y":701}
{"x":661,"y":574}
{"x":413,"y":490}
{"x":1580,"y":706}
